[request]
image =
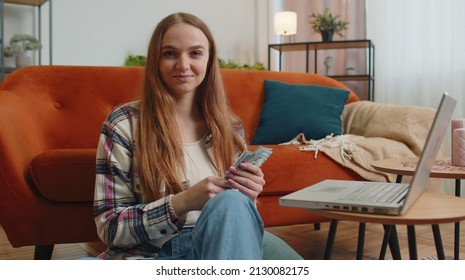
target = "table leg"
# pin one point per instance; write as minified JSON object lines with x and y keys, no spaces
{"x":457,"y":225}
{"x":361,"y":240}
{"x":438,"y":242}
{"x":399,"y":179}
{"x":412,"y":242}
{"x":390,"y":237}
{"x":330,"y":240}
{"x":457,"y":241}
{"x":394,"y":244}
{"x":384,"y":244}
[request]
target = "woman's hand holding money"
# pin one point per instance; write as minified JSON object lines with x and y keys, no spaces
{"x":246,"y":178}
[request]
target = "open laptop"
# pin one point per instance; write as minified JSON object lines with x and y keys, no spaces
{"x":383,"y":198}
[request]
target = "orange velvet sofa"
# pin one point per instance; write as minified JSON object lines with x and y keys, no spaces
{"x":50,"y":121}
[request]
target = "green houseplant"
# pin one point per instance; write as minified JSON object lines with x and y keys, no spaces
{"x":139,"y":60}
{"x":327,"y":24}
{"x":231,"y":64}
{"x":19,"y":45}
{"x":134,"y":60}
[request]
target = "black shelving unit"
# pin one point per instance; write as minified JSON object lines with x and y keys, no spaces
{"x":314,"y":47}
{"x":36,"y":3}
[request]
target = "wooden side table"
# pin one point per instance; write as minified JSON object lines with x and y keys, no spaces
{"x":430,"y":208}
{"x":441,"y":169}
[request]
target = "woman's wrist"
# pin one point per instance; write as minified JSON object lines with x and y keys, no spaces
{"x":174,"y":217}
{"x":176,"y":203}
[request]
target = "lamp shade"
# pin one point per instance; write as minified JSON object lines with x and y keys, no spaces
{"x":285,"y":23}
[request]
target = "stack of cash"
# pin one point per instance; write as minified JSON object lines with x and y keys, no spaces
{"x":258,"y":157}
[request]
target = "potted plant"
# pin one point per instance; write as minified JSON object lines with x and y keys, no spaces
{"x":19,"y":45}
{"x":327,"y":24}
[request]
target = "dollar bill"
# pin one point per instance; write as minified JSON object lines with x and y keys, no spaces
{"x":257,"y":157}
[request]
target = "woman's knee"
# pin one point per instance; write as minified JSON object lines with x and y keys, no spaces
{"x":231,"y":198}
{"x":232,"y":204}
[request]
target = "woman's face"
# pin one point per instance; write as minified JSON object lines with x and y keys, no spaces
{"x":184,"y":58}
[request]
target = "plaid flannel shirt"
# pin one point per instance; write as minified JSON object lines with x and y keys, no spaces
{"x":127,"y":225}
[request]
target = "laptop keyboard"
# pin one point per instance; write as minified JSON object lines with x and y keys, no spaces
{"x":375,"y":192}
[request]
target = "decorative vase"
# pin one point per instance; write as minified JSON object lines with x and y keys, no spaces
{"x":22,"y":61}
{"x":327,"y":35}
{"x":329,"y":64}
{"x":350,"y":71}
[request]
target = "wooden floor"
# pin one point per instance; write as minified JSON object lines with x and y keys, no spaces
{"x":304,"y":239}
{"x":310,"y":243}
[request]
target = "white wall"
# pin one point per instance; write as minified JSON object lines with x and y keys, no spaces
{"x":103,"y":32}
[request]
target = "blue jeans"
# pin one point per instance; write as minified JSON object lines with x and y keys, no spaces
{"x":229,"y":227}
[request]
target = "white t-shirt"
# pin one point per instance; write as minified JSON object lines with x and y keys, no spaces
{"x":198,"y":166}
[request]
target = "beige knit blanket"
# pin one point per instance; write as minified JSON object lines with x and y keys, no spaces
{"x":375,"y":131}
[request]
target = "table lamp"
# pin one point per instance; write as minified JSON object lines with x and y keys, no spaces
{"x":285,"y":23}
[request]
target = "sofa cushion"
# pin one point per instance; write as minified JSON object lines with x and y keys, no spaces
{"x":65,"y":174}
{"x":290,"y":109}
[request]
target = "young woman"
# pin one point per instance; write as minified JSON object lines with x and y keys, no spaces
{"x":165,"y":185}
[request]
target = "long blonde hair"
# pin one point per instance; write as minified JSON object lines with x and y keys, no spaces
{"x":158,"y":142}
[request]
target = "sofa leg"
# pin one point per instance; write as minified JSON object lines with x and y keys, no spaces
{"x":43,"y":252}
{"x":317,"y":226}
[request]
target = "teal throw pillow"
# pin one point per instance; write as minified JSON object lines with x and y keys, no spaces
{"x":290,"y":109}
